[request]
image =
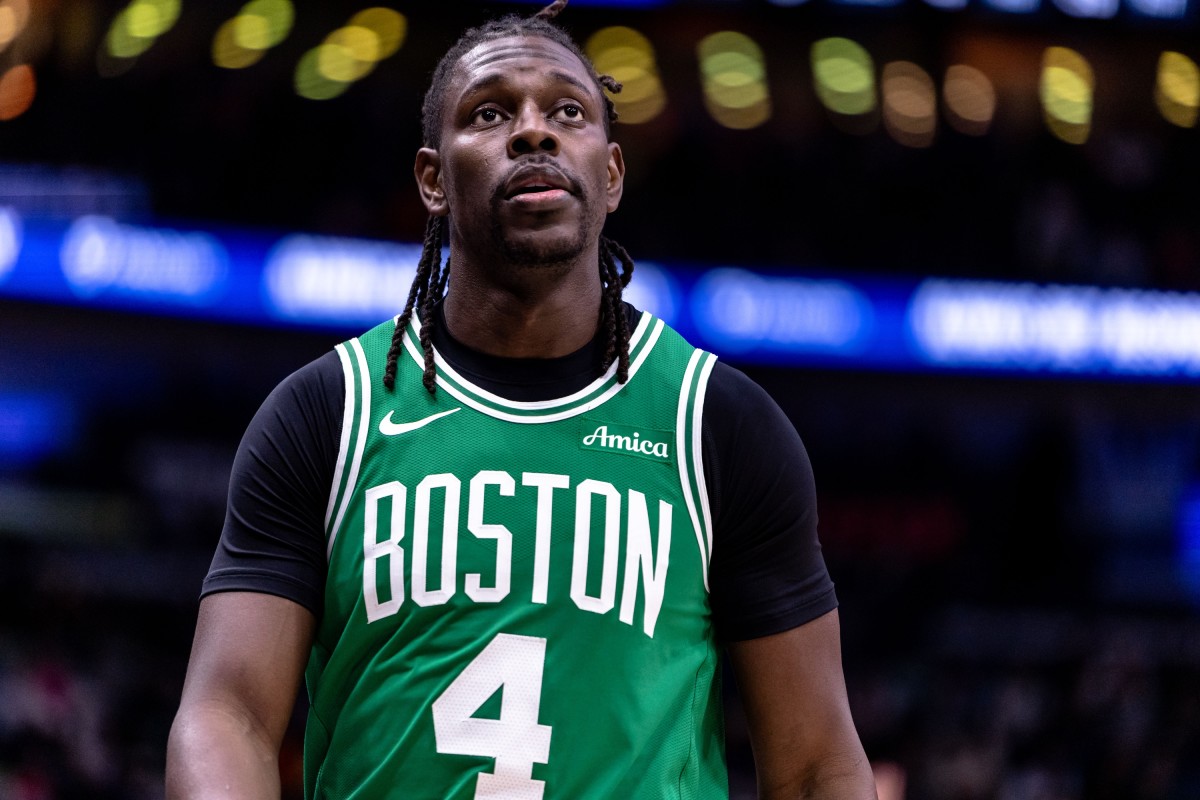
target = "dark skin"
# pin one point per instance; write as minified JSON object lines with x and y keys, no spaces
{"x":526,"y":170}
{"x":523,"y":110}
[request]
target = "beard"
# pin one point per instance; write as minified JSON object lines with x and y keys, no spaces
{"x":540,"y":249}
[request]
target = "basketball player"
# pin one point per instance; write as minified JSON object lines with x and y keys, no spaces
{"x":508,"y":536}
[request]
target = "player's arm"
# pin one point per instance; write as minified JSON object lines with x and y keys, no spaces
{"x":804,"y":740}
{"x":245,"y":669}
{"x":257,"y":618}
{"x":772,"y":599}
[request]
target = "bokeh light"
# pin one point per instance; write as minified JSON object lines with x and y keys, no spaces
{"x":14,"y":15}
{"x":226,"y":51}
{"x":1066,"y":89}
{"x":844,"y":78}
{"x":349,"y":53}
{"x":628,"y":56}
{"x":18,"y":86}
{"x":909,"y":104}
{"x":1177,"y":89}
{"x":390,"y":29}
{"x":137,"y":26}
{"x":970,"y":100}
{"x":734,"y":77}
{"x":311,"y":82}
{"x":262,"y":24}
{"x":244,"y":39}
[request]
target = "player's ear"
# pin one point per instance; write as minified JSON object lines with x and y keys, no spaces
{"x":616,"y":176}
{"x":428,"y":171}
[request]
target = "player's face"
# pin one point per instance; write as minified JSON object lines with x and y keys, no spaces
{"x":525,"y":167}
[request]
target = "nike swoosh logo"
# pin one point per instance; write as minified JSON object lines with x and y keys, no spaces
{"x":389,"y":428}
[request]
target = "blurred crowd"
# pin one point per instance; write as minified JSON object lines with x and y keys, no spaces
{"x":1075,"y":711}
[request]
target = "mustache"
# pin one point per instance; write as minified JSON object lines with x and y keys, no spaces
{"x":550,"y":165}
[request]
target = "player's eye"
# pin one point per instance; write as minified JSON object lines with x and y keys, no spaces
{"x":570,"y":111}
{"x":486,"y":115}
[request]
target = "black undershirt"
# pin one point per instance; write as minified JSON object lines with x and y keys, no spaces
{"x":766,"y":573}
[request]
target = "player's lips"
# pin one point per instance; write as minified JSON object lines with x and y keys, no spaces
{"x":537,"y":184}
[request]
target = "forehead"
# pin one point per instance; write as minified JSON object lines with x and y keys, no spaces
{"x":514,"y":57}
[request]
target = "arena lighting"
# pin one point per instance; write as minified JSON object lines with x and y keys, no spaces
{"x":875,"y":3}
{"x":1014,"y":6}
{"x":227,"y":53}
{"x":324,"y":279}
{"x":244,"y":39}
{"x":1187,"y":531}
{"x":34,"y":425}
{"x":137,"y":26}
{"x":18,"y":87}
{"x":350,"y":53}
{"x":842,"y":321}
{"x":844,"y":77}
{"x":1055,"y":328}
{"x":744,"y":311}
{"x":1089,"y":9}
{"x":10,"y":240}
{"x":102,"y":256}
{"x":969,"y":98}
{"x":390,"y":28}
{"x":1177,"y":89}
{"x":1161,"y":9}
{"x":655,"y":288}
{"x":734,"y":78}
{"x":909,"y":103}
{"x":628,"y":56}
{"x":14,"y":15}
{"x":1066,"y":90}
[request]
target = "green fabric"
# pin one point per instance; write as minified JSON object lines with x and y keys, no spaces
{"x":517,"y":602}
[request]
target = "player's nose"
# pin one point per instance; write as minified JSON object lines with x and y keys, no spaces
{"x":531,"y":133}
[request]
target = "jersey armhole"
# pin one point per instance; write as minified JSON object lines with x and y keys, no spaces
{"x":355,"y":418}
{"x":691,"y":458}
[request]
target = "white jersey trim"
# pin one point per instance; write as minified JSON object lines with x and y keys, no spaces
{"x":360,"y":445}
{"x":681,"y":448}
{"x":538,"y":405}
{"x":698,"y":451}
{"x":600,"y":399}
{"x":347,"y":424}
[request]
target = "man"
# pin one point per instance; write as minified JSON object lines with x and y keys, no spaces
{"x":508,"y":532}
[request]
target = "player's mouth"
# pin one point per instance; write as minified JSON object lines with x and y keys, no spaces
{"x":537,"y":185}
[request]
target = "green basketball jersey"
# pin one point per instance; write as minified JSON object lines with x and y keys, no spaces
{"x":517,"y":604}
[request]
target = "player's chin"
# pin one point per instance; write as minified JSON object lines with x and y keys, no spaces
{"x":550,"y":246}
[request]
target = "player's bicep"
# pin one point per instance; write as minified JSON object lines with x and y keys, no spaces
{"x":248,"y":658}
{"x":800,"y":726}
{"x":767,"y":573}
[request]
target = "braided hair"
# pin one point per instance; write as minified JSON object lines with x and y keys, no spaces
{"x":429,"y":286}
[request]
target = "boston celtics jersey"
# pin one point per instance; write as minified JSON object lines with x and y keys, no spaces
{"x":517,"y":603}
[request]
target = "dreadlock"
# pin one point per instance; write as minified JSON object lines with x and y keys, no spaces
{"x":429,"y":285}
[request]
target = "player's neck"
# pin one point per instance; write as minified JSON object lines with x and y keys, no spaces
{"x":543,"y":312}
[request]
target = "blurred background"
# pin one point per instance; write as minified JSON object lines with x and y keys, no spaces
{"x":957,"y":240}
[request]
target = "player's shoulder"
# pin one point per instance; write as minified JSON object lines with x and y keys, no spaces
{"x":315,"y":391}
{"x":732,"y":394}
{"x":320,"y":377}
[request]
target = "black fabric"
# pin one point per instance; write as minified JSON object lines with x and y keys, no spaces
{"x":767,"y":574}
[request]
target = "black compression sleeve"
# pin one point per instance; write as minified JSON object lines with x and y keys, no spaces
{"x":273,"y":540}
{"x":767,"y":573}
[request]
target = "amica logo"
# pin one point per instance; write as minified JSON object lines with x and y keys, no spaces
{"x":623,"y":442}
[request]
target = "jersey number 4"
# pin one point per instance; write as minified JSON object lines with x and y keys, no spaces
{"x":514,"y":665}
